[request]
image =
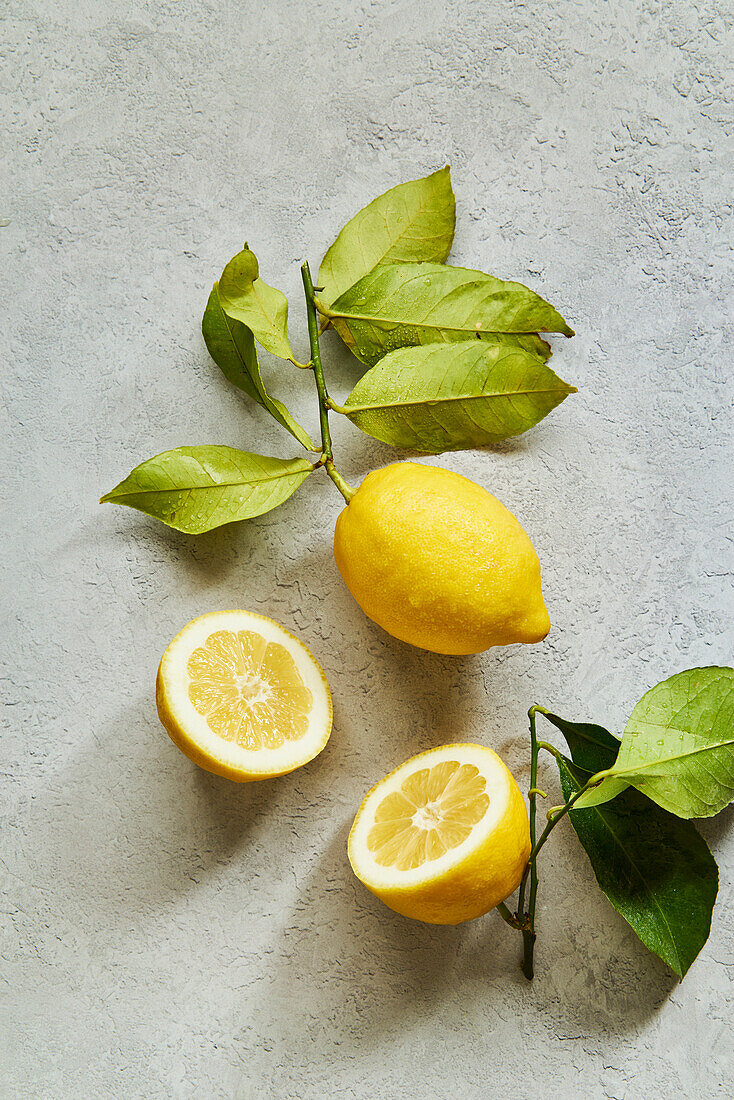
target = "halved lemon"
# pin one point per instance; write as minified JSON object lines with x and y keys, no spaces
{"x":242,"y":697}
{"x":443,"y":838}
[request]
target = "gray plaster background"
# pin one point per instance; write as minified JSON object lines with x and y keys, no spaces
{"x":166,"y":933}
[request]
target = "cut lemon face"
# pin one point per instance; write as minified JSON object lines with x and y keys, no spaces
{"x":443,"y":838}
{"x":242,"y":697}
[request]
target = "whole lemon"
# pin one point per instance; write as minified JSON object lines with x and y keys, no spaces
{"x":437,"y":561}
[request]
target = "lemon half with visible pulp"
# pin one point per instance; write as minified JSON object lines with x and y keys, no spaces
{"x":445,"y":837}
{"x":242,"y":697}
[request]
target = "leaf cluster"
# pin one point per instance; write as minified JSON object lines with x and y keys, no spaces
{"x":675,"y":762}
{"x":454,"y":358}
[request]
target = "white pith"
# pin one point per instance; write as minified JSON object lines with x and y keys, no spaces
{"x":497,"y":789}
{"x":266,"y":760}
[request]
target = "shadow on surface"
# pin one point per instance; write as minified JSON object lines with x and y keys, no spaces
{"x":604,"y":992}
{"x":355,"y":966}
{"x":131,"y":823}
{"x":212,"y":554}
{"x":714,"y":829}
{"x":139,"y":826}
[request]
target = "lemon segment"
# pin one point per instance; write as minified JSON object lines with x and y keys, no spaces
{"x":242,"y":697}
{"x":445,"y":837}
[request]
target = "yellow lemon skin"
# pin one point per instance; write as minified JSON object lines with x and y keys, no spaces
{"x":438,"y":562}
{"x":486,"y":876}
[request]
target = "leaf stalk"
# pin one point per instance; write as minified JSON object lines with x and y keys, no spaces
{"x":324,"y":401}
{"x":525,"y":916}
{"x":324,"y":311}
{"x":507,"y":916}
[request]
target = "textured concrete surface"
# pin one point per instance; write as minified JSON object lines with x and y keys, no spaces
{"x":166,"y":933}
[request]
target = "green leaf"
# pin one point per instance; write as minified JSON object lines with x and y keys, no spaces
{"x":678,"y":746}
{"x":232,"y":347}
{"x":447,"y":397}
{"x":197,"y":488}
{"x":656,"y":870}
{"x":590,"y":744}
{"x":593,"y":748}
{"x":402,"y":305}
{"x":413,"y":221}
{"x":245,"y":297}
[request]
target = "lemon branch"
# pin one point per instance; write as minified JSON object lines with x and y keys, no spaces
{"x":527,"y":919}
{"x":508,"y":917}
{"x":524,"y":919}
{"x":327,"y":459}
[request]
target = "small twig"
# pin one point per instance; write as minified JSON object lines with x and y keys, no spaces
{"x":526,"y":915}
{"x":327,"y":459}
{"x":508,"y":917}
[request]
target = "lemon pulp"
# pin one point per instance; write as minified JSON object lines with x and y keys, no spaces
{"x":434,"y":810}
{"x":249,"y":690}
